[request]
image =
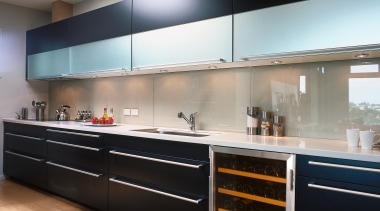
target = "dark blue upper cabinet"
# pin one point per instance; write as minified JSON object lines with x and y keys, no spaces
{"x":48,"y":38}
{"x":104,"y":23}
{"x":244,"y":5}
{"x":149,"y":15}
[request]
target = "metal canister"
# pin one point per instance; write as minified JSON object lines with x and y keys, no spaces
{"x":266,"y":123}
{"x":252,"y":120}
{"x":24,"y":113}
{"x":278,"y":126}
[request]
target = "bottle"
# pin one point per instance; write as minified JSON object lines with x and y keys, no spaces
{"x":111,"y":113}
{"x":105,"y":115}
{"x":252,"y":120}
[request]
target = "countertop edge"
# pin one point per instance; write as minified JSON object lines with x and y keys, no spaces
{"x":292,"y":145}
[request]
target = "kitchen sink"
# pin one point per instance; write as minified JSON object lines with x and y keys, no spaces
{"x":175,"y":132}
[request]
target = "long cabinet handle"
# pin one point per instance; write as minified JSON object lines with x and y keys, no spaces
{"x":74,"y":169}
{"x":22,"y":136}
{"x":24,"y":156}
{"x":344,"y":166}
{"x":211,"y":61}
{"x":194,"y":201}
{"x":74,"y":145}
{"x":343,"y":190}
{"x":157,"y":160}
{"x":74,"y":133}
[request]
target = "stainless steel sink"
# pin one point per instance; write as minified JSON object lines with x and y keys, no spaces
{"x":174,"y":132}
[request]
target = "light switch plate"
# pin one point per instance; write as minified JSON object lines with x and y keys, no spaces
{"x":134,"y":112}
{"x":127,"y":112}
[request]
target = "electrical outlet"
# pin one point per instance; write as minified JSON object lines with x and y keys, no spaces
{"x":134,"y":111}
{"x":127,"y":112}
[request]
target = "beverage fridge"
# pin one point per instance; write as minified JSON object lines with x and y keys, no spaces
{"x":251,"y":180}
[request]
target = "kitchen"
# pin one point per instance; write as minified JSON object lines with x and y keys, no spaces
{"x":220,"y":94}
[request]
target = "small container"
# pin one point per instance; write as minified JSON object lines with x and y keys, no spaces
{"x":266,"y":123}
{"x":278,"y":126}
{"x":24,"y":113}
{"x":252,"y":120}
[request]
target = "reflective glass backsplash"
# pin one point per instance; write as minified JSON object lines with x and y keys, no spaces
{"x":318,"y":100}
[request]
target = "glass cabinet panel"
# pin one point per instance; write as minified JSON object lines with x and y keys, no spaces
{"x":49,"y":64}
{"x":105,"y":55}
{"x":187,"y":43}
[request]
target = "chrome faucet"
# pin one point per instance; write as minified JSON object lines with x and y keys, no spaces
{"x":190,"y":121}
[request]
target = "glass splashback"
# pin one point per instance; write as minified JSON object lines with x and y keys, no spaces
{"x":320,"y":99}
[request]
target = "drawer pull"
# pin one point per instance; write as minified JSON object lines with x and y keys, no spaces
{"x":344,"y":190}
{"x":24,"y":156}
{"x":74,"y":169}
{"x":344,"y":166}
{"x":22,"y":136}
{"x":194,"y":201}
{"x":74,"y":145}
{"x":157,"y":160}
{"x":74,"y":133}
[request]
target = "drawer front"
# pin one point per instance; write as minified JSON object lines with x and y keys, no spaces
{"x":76,"y":137}
{"x":359,"y":172}
{"x":78,"y":155}
{"x":182,"y":174}
{"x":26,"y":168}
{"x":145,"y":197}
{"x":318,"y":194}
{"x":23,"y":129}
{"x":25,"y":144}
{"x":89,"y":188}
{"x":161,"y":147}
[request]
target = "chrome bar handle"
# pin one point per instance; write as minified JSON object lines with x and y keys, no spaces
{"x":24,"y":156}
{"x":196,"y":201}
{"x":344,"y":166}
{"x":74,"y":133}
{"x":156,"y":160}
{"x":343,"y":190}
{"x":74,"y":145}
{"x":121,"y":69}
{"x":22,"y":136}
{"x":211,"y":61}
{"x":74,"y":169}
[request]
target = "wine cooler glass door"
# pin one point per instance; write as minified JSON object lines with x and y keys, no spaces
{"x":245,"y":180}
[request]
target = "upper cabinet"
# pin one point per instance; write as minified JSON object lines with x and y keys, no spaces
{"x":174,"y":33}
{"x":97,"y":42}
{"x":304,"y":26}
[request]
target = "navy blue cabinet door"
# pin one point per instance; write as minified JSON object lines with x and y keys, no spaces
{"x":104,"y":23}
{"x":244,"y":5}
{"x":149,"y":15}
{"x":48,"y":38}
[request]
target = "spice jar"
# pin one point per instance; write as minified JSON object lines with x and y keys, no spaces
{"x":266,"y":123}
{"x":278,"y":125}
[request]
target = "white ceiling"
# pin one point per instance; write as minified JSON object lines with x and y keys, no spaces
{"x":43,"y":5}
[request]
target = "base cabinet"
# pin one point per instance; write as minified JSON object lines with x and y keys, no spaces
{"x":336,"y":184}
{"x":25,"y":154}
{"x":148,"y":174}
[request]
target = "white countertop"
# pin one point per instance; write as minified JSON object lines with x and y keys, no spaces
{"x":296,"y":145}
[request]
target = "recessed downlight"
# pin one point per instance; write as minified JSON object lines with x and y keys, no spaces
{"x":362,"y":55}
{"x":276,"y":61}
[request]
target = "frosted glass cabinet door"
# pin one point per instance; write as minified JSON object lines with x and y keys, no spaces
{"x":101,"y":56}
{"x":306,"y":25}
{"x":49,"y":64}
{"x":198,"y":41}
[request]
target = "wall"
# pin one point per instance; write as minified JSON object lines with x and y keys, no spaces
{"x":89,"y":5}
{"x":15,"y":91}
{"x":221,"y":97}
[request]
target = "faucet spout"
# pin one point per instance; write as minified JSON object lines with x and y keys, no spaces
{"x":190,"y":121}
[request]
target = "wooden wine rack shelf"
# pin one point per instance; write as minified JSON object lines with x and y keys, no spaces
{"x":252,"y":197}
{"x":252,"y":175}
{"x":220,"y":209}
